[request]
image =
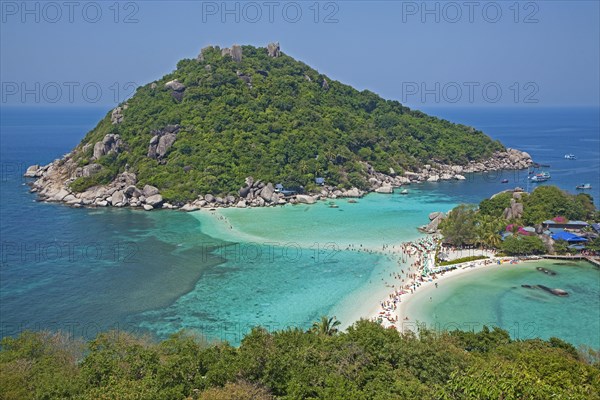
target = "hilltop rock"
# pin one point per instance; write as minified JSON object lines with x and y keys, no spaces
{"x":201,"y":55}
{"x":514,"y":211}
{"x":273,"y":49}
{"x":235,"y":52}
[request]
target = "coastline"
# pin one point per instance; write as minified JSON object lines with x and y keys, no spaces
{"x":407,"y":313}
{"x":52,"y":183}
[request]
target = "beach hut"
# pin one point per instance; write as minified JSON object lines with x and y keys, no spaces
{"x":278,"y":187}
{"x":320,"y":181}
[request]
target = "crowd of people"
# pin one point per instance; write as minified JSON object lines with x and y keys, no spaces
{"x":416,"y":260}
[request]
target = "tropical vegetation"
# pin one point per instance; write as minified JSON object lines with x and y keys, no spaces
{"x":273,"y":118}
{"x":483,"y":225}
{"x":366,"y":361}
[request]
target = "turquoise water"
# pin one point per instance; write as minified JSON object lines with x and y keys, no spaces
{"x":86,"y":270}
{"x":289,"y":265}
{"x":493,"y":296}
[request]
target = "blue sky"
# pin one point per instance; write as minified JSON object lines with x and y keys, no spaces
{"x":424,"y":54}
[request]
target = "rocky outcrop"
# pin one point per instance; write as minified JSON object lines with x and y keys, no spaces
{"x":385,"y":188}
{"x":116,"y":117}
{"x":202,"y":52}
{"x":514,"y":211}
{"x":175,"y":86}
{"x":90,"y":169}
{"x":325,"y":84}
{"x":154,"y":200}
{"x":273,"y":49}
{"x":54,"y":179}
{"x":111,"y":143}
{"x":257,"y":193}
{"x":162,"y":141}
{"x":305,"y":199}
{"x":235,"y":52}
{"x":435,"y":221}
{"x":32,"y":171}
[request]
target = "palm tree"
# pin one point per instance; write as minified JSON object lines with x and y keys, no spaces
{"x":327,"y":326}
{"x":487,"y":230}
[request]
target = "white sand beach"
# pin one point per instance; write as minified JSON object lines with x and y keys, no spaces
{"x":423,"y":278}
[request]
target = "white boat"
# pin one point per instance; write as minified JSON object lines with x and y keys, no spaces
{"x":583,"y":186}
{"x":405,"y":191}
{"x":541,"y":177}
{"x":570,"y":156}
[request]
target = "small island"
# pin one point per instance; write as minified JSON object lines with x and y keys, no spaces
{"x":227,"y":128}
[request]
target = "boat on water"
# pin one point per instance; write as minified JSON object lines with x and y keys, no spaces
{"x":504,"y":181}
{"x":541,"y":177}
{"x":583,"y":186}
{"x":405,"y":191}
{"x":570,"y":156}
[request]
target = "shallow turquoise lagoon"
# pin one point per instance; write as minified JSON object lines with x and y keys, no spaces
{"x":493,"y":296}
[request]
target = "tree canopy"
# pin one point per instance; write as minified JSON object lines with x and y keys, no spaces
{"x":365,"y":362}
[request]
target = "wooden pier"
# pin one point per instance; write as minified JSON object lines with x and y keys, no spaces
{"x":593,"y":260}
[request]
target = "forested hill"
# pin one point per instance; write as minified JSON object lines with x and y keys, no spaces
{"x":246,"y":111}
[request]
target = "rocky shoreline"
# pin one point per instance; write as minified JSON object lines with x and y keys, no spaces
{"x":53,"y":180}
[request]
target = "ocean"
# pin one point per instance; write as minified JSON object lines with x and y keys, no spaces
{"x":219,"y":274}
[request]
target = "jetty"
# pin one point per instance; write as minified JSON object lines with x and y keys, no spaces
{"x":592,"y":260}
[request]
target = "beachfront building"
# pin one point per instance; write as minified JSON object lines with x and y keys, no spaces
{"x":569,"y":237}
{"x":549,"y":224}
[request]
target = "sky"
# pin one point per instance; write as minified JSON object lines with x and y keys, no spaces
{"x":423,"y":54}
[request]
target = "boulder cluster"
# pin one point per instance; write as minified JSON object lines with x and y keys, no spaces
{"x":235,"y":52}
{"x":162,"y":140}
{"x":116,"y":116}
{"x":435,"y":218}
{"x":111,"y":143}
{"x":53,"y":181}
{"x":177,"y":88}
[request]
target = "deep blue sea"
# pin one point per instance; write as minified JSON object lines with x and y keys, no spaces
{"x":86,"y":270}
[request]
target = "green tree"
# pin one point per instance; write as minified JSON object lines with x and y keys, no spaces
{"x":326,"y":326}
{"x":523,"y":245}
{"x":459,"y":227}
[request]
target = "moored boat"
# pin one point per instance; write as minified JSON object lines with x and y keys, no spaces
{"x":541,"y":177}
{"x":570,"y":156}
{"x":583,"y":186}
{"x":404,"y":191}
